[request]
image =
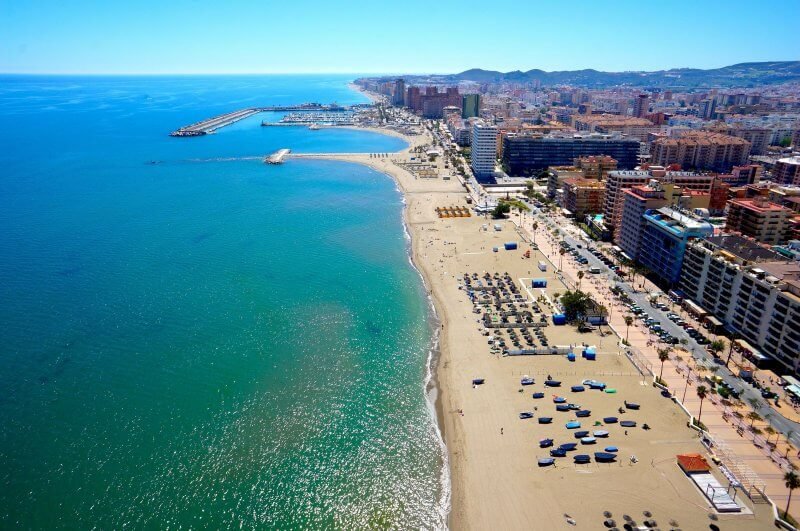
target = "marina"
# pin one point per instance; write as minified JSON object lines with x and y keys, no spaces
{"x":303,"y":114}
{"x":212,"y":124}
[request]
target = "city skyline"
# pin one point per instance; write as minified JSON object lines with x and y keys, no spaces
{"x":187,"y":37}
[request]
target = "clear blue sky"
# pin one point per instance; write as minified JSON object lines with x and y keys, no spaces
{"x":394,"y":36}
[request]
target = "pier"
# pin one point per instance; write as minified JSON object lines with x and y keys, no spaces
{"x":212,"y":124}
{"x":277,"y":157}
{"x":320,"y":110}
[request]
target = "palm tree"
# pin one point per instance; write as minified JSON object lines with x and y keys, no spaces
{"x":628,"y":323}
{"x":561,"y":253}
{"x":792,"y":481}
{"x":663,"y":355}
{"x":716,"y":347}
{"x":534,"y":226}
{"x":770,"y":432}
{"x":702,"y":393}
{"x":580,"y":278}
{"x":753,"y":417}
{"x":730,"y":350}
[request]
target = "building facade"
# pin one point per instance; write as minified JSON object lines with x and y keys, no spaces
{"x":665,"y":236}
{"x":702,"y":150}
{"x":761,"y":219}
{"x":583,"y":196}
{"x":470,"y":105}
{"x":753,"y":291}
{"x":484,"y":149}
{"x":522,"y":154}
{"x":787,"y":171}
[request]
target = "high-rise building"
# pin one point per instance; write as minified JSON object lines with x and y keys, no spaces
{"x":787,"y":171}
{"x":707,"y":108}
{"x":618,"y":181}
{"x":596,"y":167}
{"x":582,"y":196}
{"x":753,"y":291}
{"x":761,"y":219}
{"x":470,"y":105}
{"x":702,"y":150}
{"x":637,"y":200}
{"x":483,"y":155}
{"x":641,"y":105}
{"x":522,"y":154}
{"x":665,"y":236}
{"x":399,"y":94}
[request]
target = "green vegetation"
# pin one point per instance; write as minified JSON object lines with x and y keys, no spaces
{"x":501,"y":210}
{"x":576,"y":304}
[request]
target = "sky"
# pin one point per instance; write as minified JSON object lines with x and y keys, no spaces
{"x":395,"y":36}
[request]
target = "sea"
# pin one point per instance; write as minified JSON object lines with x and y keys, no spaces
{"x":192,"y":338}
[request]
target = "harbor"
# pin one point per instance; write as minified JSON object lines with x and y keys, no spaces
{"x":212,"y":124}
{"x":324,"y":114}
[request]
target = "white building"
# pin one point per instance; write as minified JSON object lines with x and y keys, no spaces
{"x":484,"y":149}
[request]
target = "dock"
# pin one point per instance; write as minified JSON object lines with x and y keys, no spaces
{"x":277,"y":157}
{"x":328,"y":112}
{"x":212,"y":124}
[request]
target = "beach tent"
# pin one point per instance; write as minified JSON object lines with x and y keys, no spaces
{"x":539,"y":283}
{"x":510,"y":246}
{"x":590,"y":353}
{"x":559,"y":319}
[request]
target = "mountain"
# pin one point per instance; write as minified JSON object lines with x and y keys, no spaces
{"x":739,"y":75}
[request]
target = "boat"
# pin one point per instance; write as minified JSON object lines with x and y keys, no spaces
{"x":478,"y":381}
{"x":631,"y":405}
{"x":610,"y":420}
{"x":545,"y":443}
{"x":582,"y":459}
{"x":568,"y":447}
{"x":546,"y":461}
{"x":526,"y":415}
{"x":604,"y":457}
{"x":611,"y":449}
{"x":558,"y":452}
{"x":552,"y":383}
{"x":562,"y":407}
{"x":314,"y":126}
{"x":594,"y":384}
{"x":538,"y":395}
{"x":628,"y":423}
{"x":583,"y":413}
{"x":573,"y":424}
{"x":577,"y":388}
{"x":526,"y":381}
{"x":588,"y":440}
{"x":559,"y":400}
{"x":610,"y":390}
{"x":581,"y":434}
{"x":545,"y":420}
{"x":601,"y":434}
{"x":574,"y":407}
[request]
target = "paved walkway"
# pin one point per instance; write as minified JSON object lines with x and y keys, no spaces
{"x":727,"y":425}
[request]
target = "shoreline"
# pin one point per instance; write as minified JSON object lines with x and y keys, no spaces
{"x":413,"y":191}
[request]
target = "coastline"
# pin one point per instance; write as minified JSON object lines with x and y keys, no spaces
{"x":417,"y":192}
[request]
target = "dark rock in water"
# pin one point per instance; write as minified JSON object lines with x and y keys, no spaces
{"x":203,"y":236}
{"x":372,"y":328}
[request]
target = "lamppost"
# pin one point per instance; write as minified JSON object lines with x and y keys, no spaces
{"x":688,"y":377}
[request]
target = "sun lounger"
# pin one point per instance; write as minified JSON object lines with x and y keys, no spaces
{"x":628,"y":423}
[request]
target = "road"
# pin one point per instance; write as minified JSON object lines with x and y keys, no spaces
{"x":574,"y":236}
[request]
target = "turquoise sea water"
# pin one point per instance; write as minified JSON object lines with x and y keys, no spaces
{"x":192,"y":338}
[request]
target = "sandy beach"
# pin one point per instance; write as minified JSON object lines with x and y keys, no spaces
{"x":496,"y":483}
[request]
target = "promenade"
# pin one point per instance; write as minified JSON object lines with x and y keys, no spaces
{"x":735,"y":441}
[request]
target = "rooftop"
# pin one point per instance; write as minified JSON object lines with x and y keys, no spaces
{"x":744,"y":248}
{"x":701,"y":138}
{"x":759,"y":205}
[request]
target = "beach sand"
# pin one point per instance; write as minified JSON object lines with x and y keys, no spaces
{"x":496,"y":483}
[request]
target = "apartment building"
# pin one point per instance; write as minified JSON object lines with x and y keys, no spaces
{"x":761,"y":219}
{"x":582,"y":196}
{"x":701,"y":150}
{"x":665,"y":235}
{"x":753,"y":291}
